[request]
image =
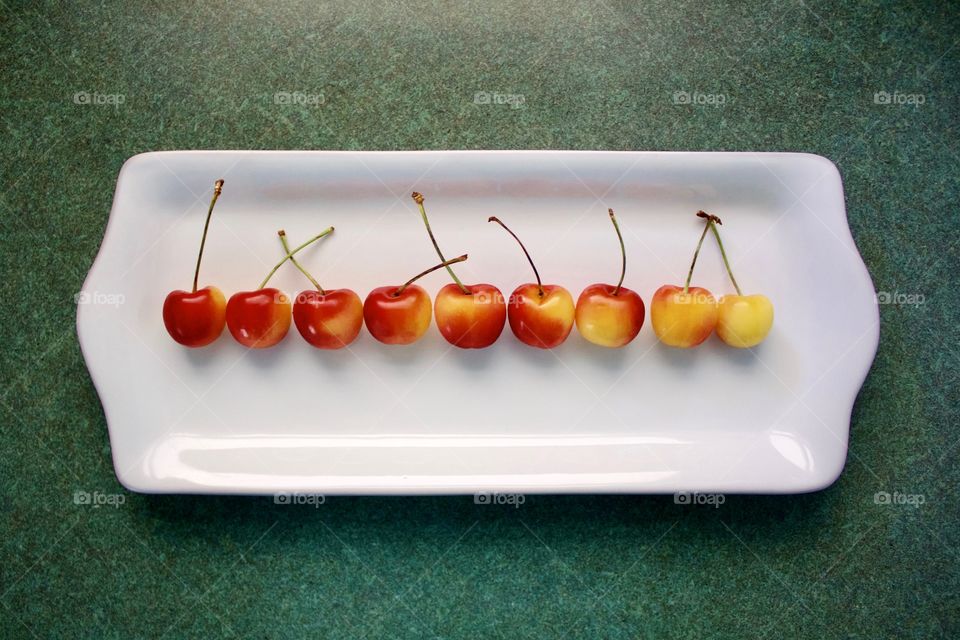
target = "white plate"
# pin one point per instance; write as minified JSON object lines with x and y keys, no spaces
{"x":429,"y":418}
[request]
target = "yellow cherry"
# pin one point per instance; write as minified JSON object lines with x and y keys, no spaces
{"x":744,"y":321}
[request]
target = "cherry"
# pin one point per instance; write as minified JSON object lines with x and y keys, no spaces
{"x":468,"y":316}
{"x":540,"y":315}
{"x":261,"y":318}
{"x":743,"y":321}
{"x":684,"y":317}
{"x":401,"y":315}
{"x":610,"y":316}
{"x":196,"y":318}
{"x":327,"y":319}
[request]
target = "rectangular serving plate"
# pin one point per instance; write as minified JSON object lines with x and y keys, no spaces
{"x":433,"y":419}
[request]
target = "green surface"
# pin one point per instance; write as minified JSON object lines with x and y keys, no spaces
{"x":795,"y":77}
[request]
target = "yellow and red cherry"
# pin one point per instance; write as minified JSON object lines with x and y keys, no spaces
{"x":471,"y":319}
{"x":468,"y":316}
{"x":684,"y":316}
{"x":540,"y":315}
{"x":400,"y":315}
{"x":195,"y":318}
{"x":743,"y":321}
{"x":607,"y":315}
{"x":326,"y":318}
{"x":261,"y":318}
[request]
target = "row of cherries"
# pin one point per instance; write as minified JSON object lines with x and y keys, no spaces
{"x":468,"y":316}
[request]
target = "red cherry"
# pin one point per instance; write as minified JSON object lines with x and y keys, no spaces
{"x":328,"y":320}
{"x":394,"y":318}
{"x":541,"y":316}
{"x":261,"y":318}
{"x":195,"y":319}
{"x":401,"y":315}
{"x":258,"y":319}
{"x":325,"y":319}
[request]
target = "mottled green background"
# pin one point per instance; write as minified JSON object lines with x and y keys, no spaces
{"x":795,"y":76}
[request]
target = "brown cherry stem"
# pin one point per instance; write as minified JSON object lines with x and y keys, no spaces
{"x":527,"y":253}
{"x":418,"y":198}
{"x":712,"y":222}
{"x":443,"y":264}
{"x":217,"y":190}
{"x":289,"y":256}
{"x":296,"y":263}
{"x":686,"y":286}
{"x":623,"y":252}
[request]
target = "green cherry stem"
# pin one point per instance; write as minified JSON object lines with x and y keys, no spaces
{"x":296,"y":263}
{"x":686,"y":286}
{"x":418,"y":198}
{"x":445,"y":263}
{"x":712,"y":222}
{"x":527,"y":253}
{"x":325,"y":232}
{"x":217,"y":190}
{"x":623,"y":252}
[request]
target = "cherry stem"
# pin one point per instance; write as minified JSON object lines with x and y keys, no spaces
{"x":712,"y":222}
{"x":623,"y":252}
{"x":289,"y":255}
{"x":217,"y":190}
{"x":686,"y":287}
{"x":527,"y":253}
{"x":418,"y":198}
{"x":443,"y":264}
{"x":296,"y":263}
